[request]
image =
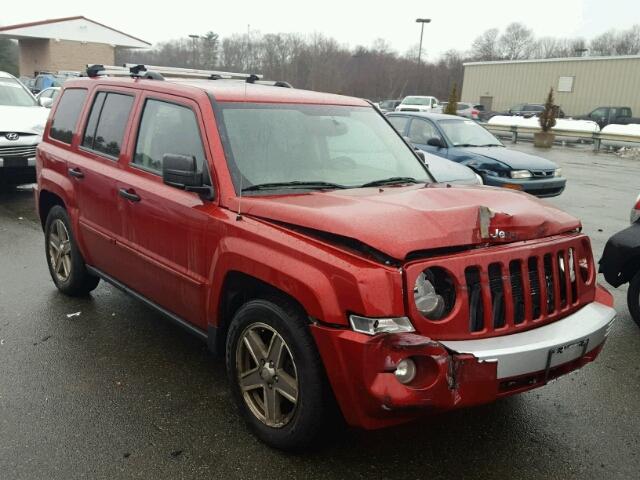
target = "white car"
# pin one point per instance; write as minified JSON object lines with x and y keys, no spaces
{"x":46,"y":97}
{"x":447,"y":171}
{"x":418,"y":103}
{"x":22,"y":122}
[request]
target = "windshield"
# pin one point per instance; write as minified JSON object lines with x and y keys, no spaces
{"x":417,"y":101}
{"x":467,"y":133}
{"x":13,"y":94}
{"x":329,"y":146}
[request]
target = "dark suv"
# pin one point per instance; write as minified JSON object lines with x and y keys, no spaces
{"x":305,"y":241}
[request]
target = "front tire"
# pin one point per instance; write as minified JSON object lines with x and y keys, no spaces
{"x":633,"y":298}
{"x":276,"y":374}
{"x":66,"y":265}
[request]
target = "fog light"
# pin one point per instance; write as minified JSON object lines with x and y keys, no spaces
{"x":406,"y":371}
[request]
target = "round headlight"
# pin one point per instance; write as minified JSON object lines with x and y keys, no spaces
{"x":434,"y":293}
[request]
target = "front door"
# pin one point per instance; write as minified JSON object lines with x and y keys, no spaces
{"x":168,"y":232}
{"x":420,"y":131}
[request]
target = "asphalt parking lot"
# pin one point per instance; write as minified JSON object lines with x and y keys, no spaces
{"x":103,"y":387}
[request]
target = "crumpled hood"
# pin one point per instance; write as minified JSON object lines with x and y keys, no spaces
{"x":514,"y":159}
{"x":401,"y":220}
{"x":23,"y":119}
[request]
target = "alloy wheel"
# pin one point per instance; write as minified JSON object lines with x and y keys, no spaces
{"x":60,"y":250}
{"x":267,"y":375}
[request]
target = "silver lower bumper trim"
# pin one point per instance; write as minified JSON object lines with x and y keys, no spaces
{"x":543,"y":347}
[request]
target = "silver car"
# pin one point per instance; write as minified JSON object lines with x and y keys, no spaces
{"x":467,"y":110}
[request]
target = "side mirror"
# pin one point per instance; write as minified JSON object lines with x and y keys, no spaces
{"x":420,"y":154}
{"x":181,"y":171}
{"x":45,"y":102}
{"x":436,"y":142}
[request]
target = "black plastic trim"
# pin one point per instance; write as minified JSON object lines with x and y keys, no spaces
{"x":171,"y":316}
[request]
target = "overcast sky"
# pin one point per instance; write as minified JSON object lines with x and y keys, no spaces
{"x":454,"y":23}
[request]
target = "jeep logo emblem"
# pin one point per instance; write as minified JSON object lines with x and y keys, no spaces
{"x":11,"y":136}
{"x":498,"y":234}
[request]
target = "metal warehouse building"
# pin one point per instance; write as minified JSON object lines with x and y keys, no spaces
{"x":581,"y":84}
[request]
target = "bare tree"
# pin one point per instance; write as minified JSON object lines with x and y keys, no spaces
{"x":516,"y":42}
{"x":485,"y":46}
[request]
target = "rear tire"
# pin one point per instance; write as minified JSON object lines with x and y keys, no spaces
{"x":633,"y":298}
{"x":66,"y":265}
{"x":291,"y":425}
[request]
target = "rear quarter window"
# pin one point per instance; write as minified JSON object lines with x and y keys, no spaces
{"x":66,"y":116}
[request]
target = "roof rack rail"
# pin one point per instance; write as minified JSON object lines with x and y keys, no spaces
{"x":197,"y":73}
{"x":137,"y":71}
{"x":156,"y":72}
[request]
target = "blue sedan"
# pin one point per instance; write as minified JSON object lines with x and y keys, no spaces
{"x":466,"y":142}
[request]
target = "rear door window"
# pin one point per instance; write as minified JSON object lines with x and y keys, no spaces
{"x":66,"y":116}
{"x":399,"y":123}
{"x":107,"y":121}
{"x":167,"y":128}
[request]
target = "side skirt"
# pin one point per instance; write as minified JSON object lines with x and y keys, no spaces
{"x":171,"y":316}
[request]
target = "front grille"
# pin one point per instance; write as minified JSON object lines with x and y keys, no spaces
{"x":543,"y":173}
{"x":409,"y":109}
{"x":503,"y":289}
{"x":525,"y":290}
{"x":27,"y":151}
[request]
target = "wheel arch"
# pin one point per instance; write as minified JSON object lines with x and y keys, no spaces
{"x":46,"y":201}
{"x":237,"y":289}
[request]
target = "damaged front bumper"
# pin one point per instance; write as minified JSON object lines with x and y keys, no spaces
{"x":453,"y":374}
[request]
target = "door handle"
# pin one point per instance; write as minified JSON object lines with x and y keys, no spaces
{"x":76,"y":172}
{"x":130,"y":195}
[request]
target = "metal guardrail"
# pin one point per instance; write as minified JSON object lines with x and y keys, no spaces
{"x":596,"y":137}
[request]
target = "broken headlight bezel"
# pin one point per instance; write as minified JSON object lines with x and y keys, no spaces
{"x":434,"y":293}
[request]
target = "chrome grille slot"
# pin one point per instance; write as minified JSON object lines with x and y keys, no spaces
{"x":517,"y":290}
{"x":534,"y":285}
{"x":498,"y":319}
{"x":548,"y":276}
{"x":476,"y":306}
{"x":562,"y":278}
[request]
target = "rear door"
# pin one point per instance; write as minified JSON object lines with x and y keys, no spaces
{"x":94,"y":169}
{"x":166,"y":229}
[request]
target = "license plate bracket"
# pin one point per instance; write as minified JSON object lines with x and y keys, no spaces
{"x":565,"y":351}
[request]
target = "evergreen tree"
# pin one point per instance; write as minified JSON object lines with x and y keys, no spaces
{"x":549,"y":114}
{"x":452,"y":105}
{"x":9,"y":56}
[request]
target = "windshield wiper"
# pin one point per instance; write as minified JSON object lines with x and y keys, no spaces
{"x":390,"y":181}
{"x":292,"y":184}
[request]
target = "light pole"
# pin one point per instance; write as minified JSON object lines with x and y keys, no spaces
{"x":421,"y":21}
{"x":193,"y":46}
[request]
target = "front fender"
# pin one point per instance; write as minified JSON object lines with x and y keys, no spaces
{"x":326,"y":281}
{"x":621,"y":257}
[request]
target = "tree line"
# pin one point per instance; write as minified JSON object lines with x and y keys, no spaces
{"x":377,"y":71}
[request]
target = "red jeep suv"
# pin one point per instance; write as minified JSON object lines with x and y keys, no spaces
{"x":301,"y":237}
